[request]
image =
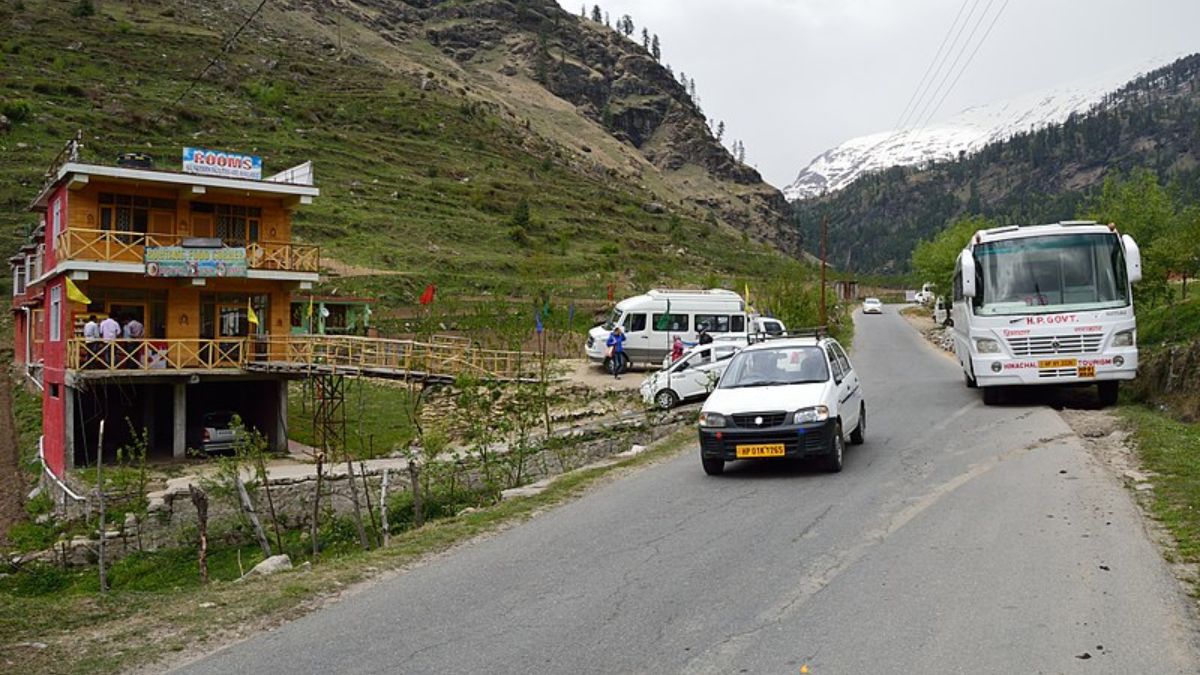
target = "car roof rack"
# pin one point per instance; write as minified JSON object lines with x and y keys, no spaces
{"x":815,"y":332}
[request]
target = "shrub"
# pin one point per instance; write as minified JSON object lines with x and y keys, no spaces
{"x":18,"y":110}
{"x":83,"y":8}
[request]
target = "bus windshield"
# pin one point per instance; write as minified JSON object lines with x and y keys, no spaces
{"x":1054,"y":273}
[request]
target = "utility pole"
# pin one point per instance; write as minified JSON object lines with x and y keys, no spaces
{"x":824,"y":244}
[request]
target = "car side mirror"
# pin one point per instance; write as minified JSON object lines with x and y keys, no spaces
{"x":967,"y":264}
{"x":1133,"y":259}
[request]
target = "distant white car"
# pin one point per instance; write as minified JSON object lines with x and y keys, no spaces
{"x":693,"y":376}
{"x":789,"y":397}
{"x":872,"y":306}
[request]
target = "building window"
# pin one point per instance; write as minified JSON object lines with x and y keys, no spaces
{"x":56,"y":314}
{"x":53,"y":390}
{"x":127,"y":213}
{"x":18,"y":281}
{"x":232,"y":224}
{"x":56,"y":222}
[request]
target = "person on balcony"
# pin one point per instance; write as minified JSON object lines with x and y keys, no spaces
{"x":91,"y":336}
{"x":110,"y":330}
{"x":134,"y":331}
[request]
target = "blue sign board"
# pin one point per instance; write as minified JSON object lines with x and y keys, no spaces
{"x":221,"y":163}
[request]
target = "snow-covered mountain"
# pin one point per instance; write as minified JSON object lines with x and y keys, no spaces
{"x":967,"y":132}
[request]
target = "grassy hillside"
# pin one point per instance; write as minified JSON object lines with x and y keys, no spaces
{"x":422,"y":172}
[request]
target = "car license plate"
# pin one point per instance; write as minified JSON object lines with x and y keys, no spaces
{"x":1057,"y":363}
{"x":763,"y":450}
{"x":1087,"y":370}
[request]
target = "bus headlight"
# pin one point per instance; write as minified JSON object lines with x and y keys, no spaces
{"x":1123,"y":339}
{"x":1119,"y":361}
{"x":987,"y":346}
{"x":711,"y":419}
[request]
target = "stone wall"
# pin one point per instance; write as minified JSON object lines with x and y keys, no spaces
{"x":170,"y":518}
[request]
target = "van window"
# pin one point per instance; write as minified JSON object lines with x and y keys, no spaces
{"x":738,"y":323}
{"x":717,"y":323}
{"x":773,"y":327}
{"x":836,"y":366}
{"x":673,"y":323}
{"x":635,"y":323}
{"x":843,"y":360}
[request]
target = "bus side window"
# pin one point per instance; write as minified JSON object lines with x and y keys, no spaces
{"x":635,"y":323}
{"x":738,"y":323}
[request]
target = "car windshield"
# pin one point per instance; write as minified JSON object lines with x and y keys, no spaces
{"x":1058,"y":273}
{"x":613,"y":320}
{"x":777,"y":366}
{"x":218,"y":420}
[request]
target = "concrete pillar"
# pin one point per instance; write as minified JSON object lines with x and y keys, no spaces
{"x":179,"y":442}
{"x":147,"y":393}
{"x":281,"y":440}
{"x":68,"y":427}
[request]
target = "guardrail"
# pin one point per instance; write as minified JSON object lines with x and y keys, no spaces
{"x":121,"y":356}
{"x":113,"y":246}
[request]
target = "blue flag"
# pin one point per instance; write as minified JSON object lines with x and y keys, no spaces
{"x":571,"y":313}
{"x":538,"y":317}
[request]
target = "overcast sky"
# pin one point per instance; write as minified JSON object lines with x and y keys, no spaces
{"x":793,"y":78}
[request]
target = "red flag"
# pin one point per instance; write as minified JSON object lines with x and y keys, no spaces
{"x":427,"y":296}
{"x":610,"y":292}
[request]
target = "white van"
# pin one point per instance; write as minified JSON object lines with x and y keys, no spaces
{"x":693,"y":376}
{"x":650,"y":329}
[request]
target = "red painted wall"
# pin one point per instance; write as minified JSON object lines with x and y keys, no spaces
{"x":53,"y":377}
{"x":19,"y":330}
{"x":59,"y":196}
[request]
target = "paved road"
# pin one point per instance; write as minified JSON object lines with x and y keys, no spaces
{"x":959,"y":539}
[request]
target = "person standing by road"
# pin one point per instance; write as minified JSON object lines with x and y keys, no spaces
{"x":704,"y":337}
{"x":91,"y":337}
{"x":616,"y":349}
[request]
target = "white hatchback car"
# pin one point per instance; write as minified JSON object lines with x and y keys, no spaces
{"x":872,"y":306}
{"x":693,"y":376}
{"x":788,"y":397}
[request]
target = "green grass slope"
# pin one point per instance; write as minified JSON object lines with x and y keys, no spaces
{"x":418,"y":175}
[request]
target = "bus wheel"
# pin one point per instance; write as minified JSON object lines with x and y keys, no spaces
{"x":991,"y":395}
{"x":1108,"y":391}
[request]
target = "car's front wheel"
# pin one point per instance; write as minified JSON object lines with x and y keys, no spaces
{"x":713,"y":466}
{"x":837,"y":450}
{"x":666,"y":399}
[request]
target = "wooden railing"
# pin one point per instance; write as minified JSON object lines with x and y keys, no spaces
{"x":157,"y":355}
{"x":113,"y":246}
{"x":387,"y":357}
{"x":369,"y":357}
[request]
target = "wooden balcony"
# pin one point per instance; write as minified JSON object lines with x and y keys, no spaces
{"x":129,"y":247}
{"x":299,"y":354}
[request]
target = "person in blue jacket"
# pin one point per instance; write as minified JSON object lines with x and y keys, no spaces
{"x":616,"y":345}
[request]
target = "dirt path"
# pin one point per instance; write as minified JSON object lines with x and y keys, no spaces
{"x":12,"y":485}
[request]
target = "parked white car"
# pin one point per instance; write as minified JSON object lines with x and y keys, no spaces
{"x":872,"y":306}
{"x":790,"y":397}
{"x":693,"y":376}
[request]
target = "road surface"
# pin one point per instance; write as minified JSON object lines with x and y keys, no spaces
{"x":959,"y":539}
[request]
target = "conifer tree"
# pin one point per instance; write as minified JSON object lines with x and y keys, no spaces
{"x":606,"y":23}
{"x":655,"y":50}
{"x":645,"y":39}
{"x":625,"y":25}
{"x":596,"y":15}
{"x":720,"y":130}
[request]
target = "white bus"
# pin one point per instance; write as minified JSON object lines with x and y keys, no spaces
{"x":650,"y":328}
{"x":1047,"y":304}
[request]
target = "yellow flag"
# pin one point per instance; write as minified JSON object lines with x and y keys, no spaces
{"x":310,"y":306}
{"x":76,"y":295}
{"x":250,"y":315}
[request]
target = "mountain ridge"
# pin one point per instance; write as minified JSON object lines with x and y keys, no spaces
{"x":963,"y":133}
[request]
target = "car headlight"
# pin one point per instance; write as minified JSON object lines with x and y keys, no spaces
{"x":818,"y":413}
{"x":987,"y":346}
{"x":1123,"y":339}
{"x":712,"y":419}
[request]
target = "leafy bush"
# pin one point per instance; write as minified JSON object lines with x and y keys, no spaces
{"x":17,"y":110}
{"x":83,"y":8}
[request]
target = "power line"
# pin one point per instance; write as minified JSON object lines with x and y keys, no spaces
{"x":904,"y":113}
{"x":224,"y":48}
{"x":966,"y":65}
{"x":933,"y":93}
